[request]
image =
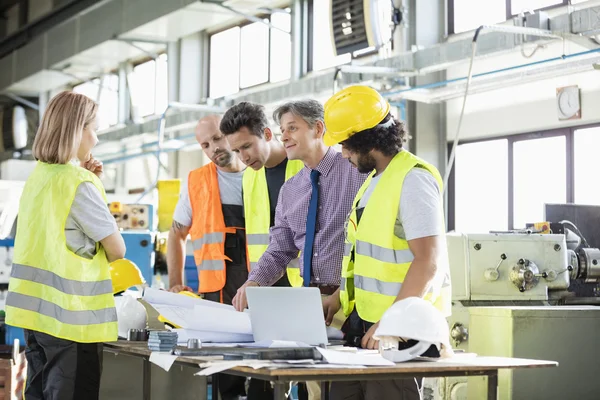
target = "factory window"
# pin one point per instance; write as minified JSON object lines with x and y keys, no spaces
{"x":254,"y":56}
{"x":499,"y":184}
{"x":465,"y":15}
{"x":539,"y":176}
{"x":518,"y":6}
{"x":246,"y":56}
{"x":225,"y":62}
{"x":281,"y":47}
{"x":586,"y":145}
{"x":480,"y":201}
{"x":148,"y":86}
{"x":107,"y":88}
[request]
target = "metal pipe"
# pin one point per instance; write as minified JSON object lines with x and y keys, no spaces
{"x":184,"y":137}
{"x":149,"y":53}
{"x":23,"y":101}
{"x":515,"y":67}
{"x":243,"y":14}
{"x":161,"y":134}
{"x":129,"y":157}
{"x":376,"y":70}
{"x":582,"y":301}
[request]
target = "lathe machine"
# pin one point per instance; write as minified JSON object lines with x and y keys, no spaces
{"x":528,"y":294}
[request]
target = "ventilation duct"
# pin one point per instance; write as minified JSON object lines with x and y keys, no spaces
{"x":14,"y":128}
{"x":360,"y":24}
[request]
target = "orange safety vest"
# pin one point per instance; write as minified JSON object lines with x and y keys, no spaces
{"x":208,"y":230}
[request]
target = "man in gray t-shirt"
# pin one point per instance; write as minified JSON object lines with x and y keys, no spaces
{"x":229,"y":177}
{"x":359,"y":119}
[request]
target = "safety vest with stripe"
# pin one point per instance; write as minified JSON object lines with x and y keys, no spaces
{"x":372,"y":279}
{"x":51,"y":289}
{"x":208,"y":230}
{"x":257,"y":212}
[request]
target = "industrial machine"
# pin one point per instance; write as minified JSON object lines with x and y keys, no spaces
{"x":528,"y":293}
{"x":136,"y":222}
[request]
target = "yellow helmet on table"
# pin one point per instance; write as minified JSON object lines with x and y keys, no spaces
{"x":125,"y":274}
{"x":351,"y":110}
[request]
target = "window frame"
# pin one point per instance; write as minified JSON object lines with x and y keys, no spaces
{"x":99,"y":77}
{"x":241,"y":25}
{"x":508,"y":13}
{"x":568,"y":133}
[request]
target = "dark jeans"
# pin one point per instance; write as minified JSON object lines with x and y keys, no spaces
{"x":59,"y":369}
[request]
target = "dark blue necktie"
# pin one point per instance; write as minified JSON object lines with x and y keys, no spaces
{"x":311,"y":223}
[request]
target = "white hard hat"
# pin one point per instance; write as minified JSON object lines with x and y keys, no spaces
{"x":416,"y":319}
{"x":130,"y":314}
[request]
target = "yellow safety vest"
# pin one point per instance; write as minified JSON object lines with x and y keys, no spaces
{"x":51,"y":289}
{"x":381,"y":259}
{"x":257,"y":212}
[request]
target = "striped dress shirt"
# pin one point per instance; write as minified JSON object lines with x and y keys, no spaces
{"x":338,"y":184}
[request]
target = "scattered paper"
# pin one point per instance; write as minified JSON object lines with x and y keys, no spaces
{"x":214,"y":367}
{"x":156,"y":296}
{"x":176,"y":315}
{"x":359,"y":358}
{"x":276,"y":344}
{"x":163,"y":360}
{"x":218,"y":338}
{"x":316,"y":366}
{"x":219,"y":320}
{"x":459,"y":358}
{"x":351,"y":349}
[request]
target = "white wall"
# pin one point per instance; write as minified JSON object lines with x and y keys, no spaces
{"x":522,"y":108}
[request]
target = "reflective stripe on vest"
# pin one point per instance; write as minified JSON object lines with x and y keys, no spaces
{"x":51,"y":289}
{"x":257,"y":239}
{"x":49,"y":309}
{"x":211,"y":265}
{"x":386,"y":288}
{"x":67,"y":286}
{"x":257,"y":212}
{"x":208,"y":230}
{"x":383,"y":254}
{"x":208,"y":238}
{"x":371,"y":280}
{"x":347,"y":249}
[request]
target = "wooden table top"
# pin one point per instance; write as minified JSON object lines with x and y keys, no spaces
{"x":457,"y":366}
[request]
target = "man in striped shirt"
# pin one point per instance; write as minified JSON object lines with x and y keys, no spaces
{"x":302,"y":129}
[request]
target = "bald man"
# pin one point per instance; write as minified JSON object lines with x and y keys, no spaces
{"x":210,"y":209}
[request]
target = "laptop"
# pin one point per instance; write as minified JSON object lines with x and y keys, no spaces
{"x":286,"y":313}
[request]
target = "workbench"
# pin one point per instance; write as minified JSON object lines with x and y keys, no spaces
{"x":476,"y":366}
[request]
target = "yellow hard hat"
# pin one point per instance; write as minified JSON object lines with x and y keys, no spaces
{"x":125,"y":274}
{"x":351,"y":110}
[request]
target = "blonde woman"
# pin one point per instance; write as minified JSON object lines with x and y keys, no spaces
{"x":60,"y":289}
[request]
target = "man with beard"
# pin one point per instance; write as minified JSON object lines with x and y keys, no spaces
{"x":211,"y":210}
{"x":395,"y":234}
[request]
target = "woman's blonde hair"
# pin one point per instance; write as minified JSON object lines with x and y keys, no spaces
{"x":59,"y":135}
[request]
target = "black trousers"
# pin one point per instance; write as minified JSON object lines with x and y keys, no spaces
{"x":232,"y":386}
{"x":59,"y":369}
{"x":397,"y":389}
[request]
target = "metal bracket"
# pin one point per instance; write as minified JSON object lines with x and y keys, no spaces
{"x":243,"y":14}
{"x":21,"y":100}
